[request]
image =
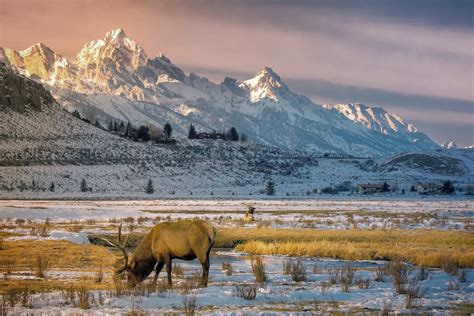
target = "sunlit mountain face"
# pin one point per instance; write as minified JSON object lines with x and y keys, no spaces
{"x":113,"y":79}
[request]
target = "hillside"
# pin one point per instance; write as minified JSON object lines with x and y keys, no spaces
{"x":113,"y":79}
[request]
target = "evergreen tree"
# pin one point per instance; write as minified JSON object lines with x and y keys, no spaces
{"x":448,"y":187}
{"x":270,"y":188}
{"x":232,"y":135}
{"x":192,"y":132}
{"x":143,"y":133}
{"x":128,"y":130}
{"x":149,"y":187}
{"x":385,"y":187}
{"x":83,"y":185}
{"x":403,"y":191}
{"x":243,"y":137}
{"x":51,"y":187}
{"x":168,"y":130}
{"x":111,"y":126}
{"x":97,"y":124}
{"x":412,"y":189}
{"x":121,"y":127}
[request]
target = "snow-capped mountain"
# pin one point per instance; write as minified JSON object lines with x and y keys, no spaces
{"x":450,"y":145}
{"x":379,"y":120}
{"x":114,"y":79}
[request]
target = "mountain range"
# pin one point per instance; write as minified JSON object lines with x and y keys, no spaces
{"x":114,"y":79}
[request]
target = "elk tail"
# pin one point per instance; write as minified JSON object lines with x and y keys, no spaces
{"x":211,"y":231}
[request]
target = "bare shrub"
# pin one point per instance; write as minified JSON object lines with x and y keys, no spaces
{"x":40,"y":266}
{"x":449,"y":266}
{"x":363,"y":283}
{"x":324,"y":287}
{"x":191,"y":282}
{"x":297,"y":270}
{"x":190,"y":305}
{"x":400,"y":275}
{"x":68,"y":295}
{"x":258,"y":270}
{"x":453,"y":285}
{"x":142,"y":219}
{"x":380,"y":273}
{"x":136,"y":311}
{"x":11,"y":295}
{"x":99,"y":277}
{"x":462,"y":276}
{"x":317,"y":269}
{"x":347,"y":276}
{"x":333,"y":275}
{"x":246,"y":291}
{"x":26,"y":298}
{"x":413,"y":293}
{"x":84,"y":298}
{"x":177,"y":270}
{"x":287,"y":267}
{"x":40,"y":230}
{"x":227,"y":267}
{"x":129,"y":219}
{"x":423,"y":274}
{"x":7,"y":271}
{"x":120,"y":285}
{"x":387,"y":307}
{"x":4,"y":309}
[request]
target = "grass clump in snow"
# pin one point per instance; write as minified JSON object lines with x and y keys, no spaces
{"x":246,"y":291}
{"x":258,"y":270}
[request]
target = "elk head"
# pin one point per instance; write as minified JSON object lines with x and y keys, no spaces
{"x":134,"y":274}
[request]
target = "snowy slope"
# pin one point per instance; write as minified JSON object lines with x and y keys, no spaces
{"x":113,"y":79}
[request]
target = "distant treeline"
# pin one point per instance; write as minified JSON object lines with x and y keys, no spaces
{"x":147,"y":133}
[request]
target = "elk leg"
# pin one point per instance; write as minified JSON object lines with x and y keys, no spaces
{"x":159,"y":266}
{"x":168,"y":270}
{"x":205,"y":272}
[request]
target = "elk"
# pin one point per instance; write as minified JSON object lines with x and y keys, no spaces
{"x":185,"y":240}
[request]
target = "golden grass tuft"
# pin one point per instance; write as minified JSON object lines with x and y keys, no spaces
{"x":421,"y":247}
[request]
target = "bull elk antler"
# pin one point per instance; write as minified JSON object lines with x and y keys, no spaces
{"x":121,"y":246}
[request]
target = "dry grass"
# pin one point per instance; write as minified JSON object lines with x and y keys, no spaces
{"x":258,"y":270}
{"x":422,"y":247}
{"x":38,"y":256}
{"x":60,"y":254}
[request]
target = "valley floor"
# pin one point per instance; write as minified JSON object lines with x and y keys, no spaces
{"x":49,"y":266}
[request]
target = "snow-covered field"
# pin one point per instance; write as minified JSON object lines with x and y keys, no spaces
{"x":279,"y":294}
{"x":439,"y":292}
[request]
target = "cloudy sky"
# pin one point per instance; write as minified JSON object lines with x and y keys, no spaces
{"x":412,"y":57}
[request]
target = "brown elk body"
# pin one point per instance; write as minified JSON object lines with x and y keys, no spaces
{"x":185,"y":240}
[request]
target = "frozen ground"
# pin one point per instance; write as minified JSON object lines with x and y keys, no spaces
{"x":444,"y":293}
{"x":279,"y":293}
{"x":321,"y":214}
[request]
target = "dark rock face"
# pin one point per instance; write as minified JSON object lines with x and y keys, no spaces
{"x":19,"y":93}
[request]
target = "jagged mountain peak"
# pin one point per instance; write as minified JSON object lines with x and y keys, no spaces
{"x":115,"y":34}
{"x":266,"y":84}
{"x":117,"y":47}
{"x":38,"y":47}
{"x":450,"y":145}
{"x":162,"y":57}
{"x":373,"y":117}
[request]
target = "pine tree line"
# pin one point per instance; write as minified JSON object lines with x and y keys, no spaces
{"x":230,"y":135}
